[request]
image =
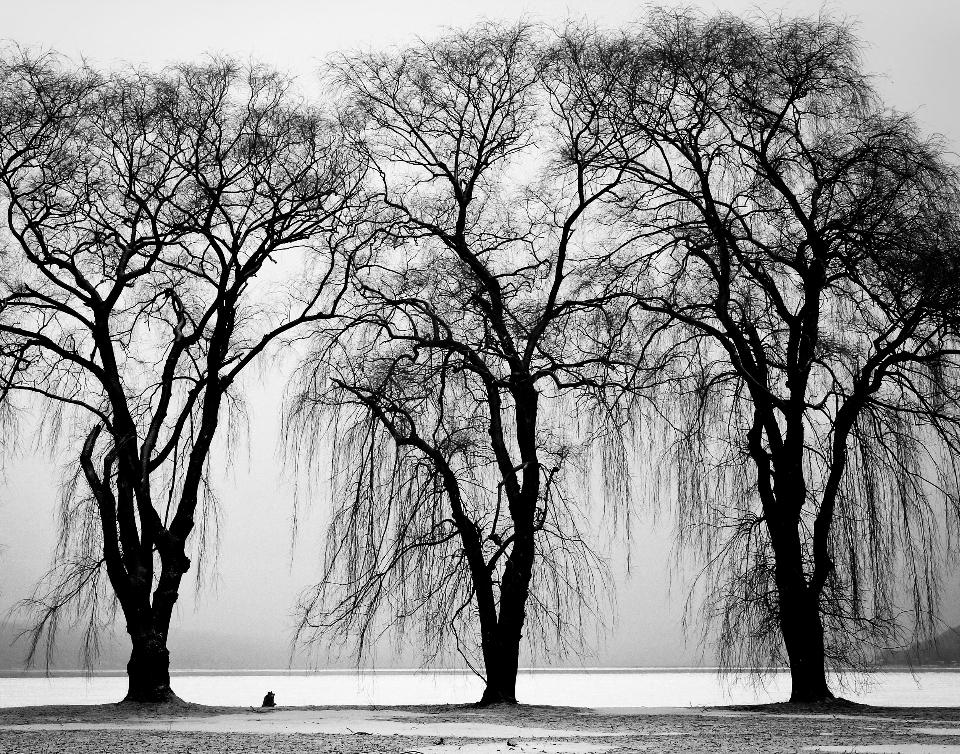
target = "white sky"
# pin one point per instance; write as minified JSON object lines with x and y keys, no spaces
{"x":912,"y":45}
{"x":913,"y":42}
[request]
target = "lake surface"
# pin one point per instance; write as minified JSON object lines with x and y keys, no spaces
{"x":579,"y":688}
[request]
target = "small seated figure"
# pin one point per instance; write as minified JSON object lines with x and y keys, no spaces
{"x":268,"y":700}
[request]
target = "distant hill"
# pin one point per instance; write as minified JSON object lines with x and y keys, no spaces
{"x":941,"y":651}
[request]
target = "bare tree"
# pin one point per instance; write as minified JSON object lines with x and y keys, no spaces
{"x":785,"y":226}
{"x":464,"y":392}
{"x":141,"y":210}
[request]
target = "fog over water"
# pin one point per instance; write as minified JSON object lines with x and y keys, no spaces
{"x":593,"y":688}
{"x":259,"y":572}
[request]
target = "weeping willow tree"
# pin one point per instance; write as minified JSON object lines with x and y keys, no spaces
{"x":459,"y":393}
{"x":798,"y":241}
{"x":141,"y":210}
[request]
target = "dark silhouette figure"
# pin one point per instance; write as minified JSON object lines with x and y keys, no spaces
{"x":268,"y":700}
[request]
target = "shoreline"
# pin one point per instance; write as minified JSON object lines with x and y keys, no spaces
{"x":657,"y":687}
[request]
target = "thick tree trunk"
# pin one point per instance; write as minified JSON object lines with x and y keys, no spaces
{"x":501,"y":685}
{"x":148,"y":671}
{"x":503,"y":661}
{"x":500,"y":659}
{"x":799,"y":602}
{"x":501,"y":666}
{"x":802,"y":630}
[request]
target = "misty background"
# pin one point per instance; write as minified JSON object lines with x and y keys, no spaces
{"x":242,"y":616}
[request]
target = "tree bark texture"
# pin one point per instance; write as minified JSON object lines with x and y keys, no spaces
{"x":148,"y":671}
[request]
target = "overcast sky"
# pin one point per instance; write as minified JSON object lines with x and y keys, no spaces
{"x":913,"y":43}
{"x":911,"y":46}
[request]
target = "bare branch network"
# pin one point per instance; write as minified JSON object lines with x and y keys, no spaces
{"x":530,"y":277}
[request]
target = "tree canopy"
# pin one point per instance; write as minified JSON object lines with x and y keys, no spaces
{"x":785,"y":226}
{"x":141,"y":209}
{"x":498,"y":253}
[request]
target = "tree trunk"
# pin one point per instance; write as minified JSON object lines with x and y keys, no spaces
{"x":802,"y":630}
{"x":504,"y":660}
{"x":501,"y":664}
{"x":500,"y":658}
{"x":148,"y":671}
{"x":799,"y":602}
{"x":501,"y":685}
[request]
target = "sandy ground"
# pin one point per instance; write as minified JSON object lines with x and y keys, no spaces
{"x":195,"y":729}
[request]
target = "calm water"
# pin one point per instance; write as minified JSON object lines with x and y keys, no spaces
{"x":582,"y":688}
